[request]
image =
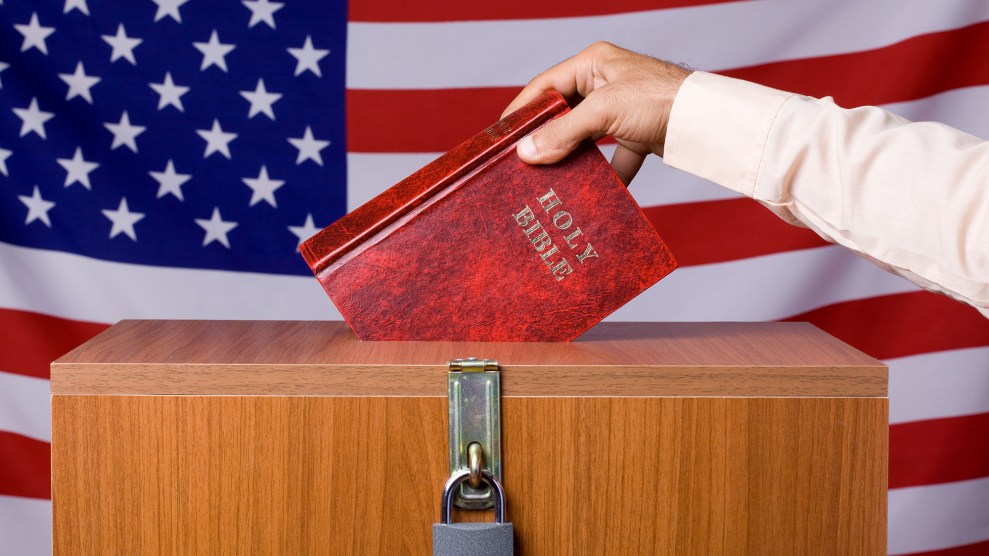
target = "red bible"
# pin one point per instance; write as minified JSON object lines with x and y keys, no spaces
{"x":480,"y":246}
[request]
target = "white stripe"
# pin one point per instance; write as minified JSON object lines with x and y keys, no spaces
{"x":762,"y":288}
{"x":737,"y":34}
{"x":76,"y":287}
{"x":657,"y":184}
{"x":938,"y":516}
{"x":370,"y":174}
{"x":25,"y":526}
{"x":25,"y":406}
{"x":941,"y":384}
{"x":772,"y":286}
{"x":963,"y":109}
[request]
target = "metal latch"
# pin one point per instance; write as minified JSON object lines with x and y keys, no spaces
{"x":475,"y":418}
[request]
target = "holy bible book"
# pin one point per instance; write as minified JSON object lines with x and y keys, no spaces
{"x":480,"y":246}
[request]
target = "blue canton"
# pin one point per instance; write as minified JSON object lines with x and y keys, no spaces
{"x":184,"y":133}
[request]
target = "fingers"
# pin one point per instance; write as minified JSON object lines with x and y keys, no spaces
{"x":626,"y":163}
{"x":560,"y":137}
{"x":558,"y":77}
{"x":562,"y":77}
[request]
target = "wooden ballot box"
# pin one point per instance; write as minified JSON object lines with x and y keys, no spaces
{"x":240,"y":437}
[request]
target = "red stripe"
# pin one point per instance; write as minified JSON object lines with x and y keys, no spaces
{"x":977,"y":549}
{"x":420,"y":120}
{"x":903,"y":324}
{"x":30,"y":342}
{"x":426,"y":120}
{"x":388,"y":11}
{"x":915,"y":68}
{"x":939,"y":450}
{"x":25,"y":468}
{"x":719,"y":231}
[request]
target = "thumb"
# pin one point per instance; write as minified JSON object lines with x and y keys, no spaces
{"x":558,"y":138}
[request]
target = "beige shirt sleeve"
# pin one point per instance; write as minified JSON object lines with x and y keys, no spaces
{"x":912,"y":197}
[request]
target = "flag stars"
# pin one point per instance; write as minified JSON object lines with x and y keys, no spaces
{"x":304,"y":232}
{"x":169,"y":8}
{"x":3,"y":66}
{"x":33,"y":119}
{"x":261,"y":101}
{"x":309,"y":147}
{"x":123,"y":220}
{"x":123,"y":46}
{"x":169,"y":94}
{"x":170,"y":182}
{"x":76,"y":5}
{"x":37,"y":208}
{"x":124,"y":133}
{"x":217,"y":140}
{"x":262,"y":10}
{"x":263,"y":188}
{"x":77,"y":169}
{"x":307,"y":57}
{"x":34,"y":35}
{"x":214,"y":52}
{"x":4,"y":155}
{"x":79,"y":83}
{"x":216,"y":229}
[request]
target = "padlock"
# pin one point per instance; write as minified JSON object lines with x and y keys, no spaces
{"x":474,"y":539}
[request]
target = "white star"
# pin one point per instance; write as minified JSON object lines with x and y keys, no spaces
{"x":37,"y":208}
{"x":123,"y":46}
{"x":123,"y":220}
{"x":3,"y":66}
{"x":214,"y":52}
{"x":216,"y":228}
{"x":170,"y":93}
{"x":308,"y":57}
{"x":169,"y":8}
{"x":217,"y":140}
{"x":263,"y":10}
{"x":4,"y":155}
{"x":79,"y":83}
{"x":169,"y":181}
{"x":77,"y":169}
{"x":124,"y":133}
{"x":33,"y":119}
{"x":263,"y":187}
{"x":261,"y":100}
{"x":309,"y":147}
{"x":76,"y":5}
{"x":304,"y":231}
{"x":34,"y":34}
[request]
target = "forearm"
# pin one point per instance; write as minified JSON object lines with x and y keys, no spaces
{"x":913,"y":197}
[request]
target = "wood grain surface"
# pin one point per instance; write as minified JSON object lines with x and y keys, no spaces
{"x":325,"y":358}
{"x":188,"y":437}
{"x":345,"y":475}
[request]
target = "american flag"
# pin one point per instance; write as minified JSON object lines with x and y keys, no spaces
{"x":164,"y":159}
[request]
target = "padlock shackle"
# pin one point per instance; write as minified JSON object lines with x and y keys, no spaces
{"x":462,"y":476}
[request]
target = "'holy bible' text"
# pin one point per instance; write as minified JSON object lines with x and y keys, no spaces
{"x":538,"y":235}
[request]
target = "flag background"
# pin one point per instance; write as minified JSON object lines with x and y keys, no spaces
{"x":398,"y":84}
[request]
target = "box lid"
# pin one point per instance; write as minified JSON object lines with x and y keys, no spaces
{"x":324,"y":358}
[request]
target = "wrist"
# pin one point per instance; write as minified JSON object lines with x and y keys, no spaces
{"x":673,"y":80}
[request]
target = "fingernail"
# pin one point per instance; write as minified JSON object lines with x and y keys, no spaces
{"x":527,"y":148}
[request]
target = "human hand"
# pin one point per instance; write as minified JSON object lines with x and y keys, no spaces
{"x":625,"y":94}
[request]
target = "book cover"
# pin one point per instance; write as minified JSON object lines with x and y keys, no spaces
{"x":480,"y":246}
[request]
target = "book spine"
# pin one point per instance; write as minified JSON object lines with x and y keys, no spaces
{"x":344,"y":235}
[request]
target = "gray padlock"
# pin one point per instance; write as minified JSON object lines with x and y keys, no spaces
{"x":474,"y":539}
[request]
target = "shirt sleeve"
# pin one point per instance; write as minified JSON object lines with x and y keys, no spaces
{"x":911,"y":196}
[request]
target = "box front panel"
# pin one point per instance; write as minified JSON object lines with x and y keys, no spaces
{"x":339,"y":475}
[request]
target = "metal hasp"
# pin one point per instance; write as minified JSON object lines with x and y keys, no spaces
{"x":475,"y":416}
